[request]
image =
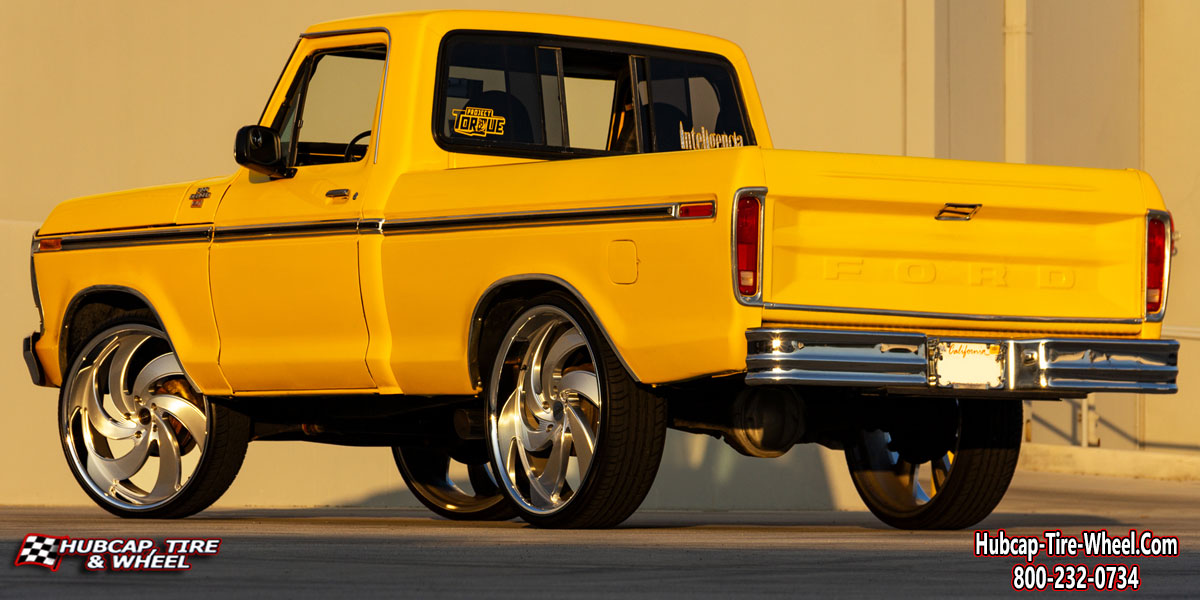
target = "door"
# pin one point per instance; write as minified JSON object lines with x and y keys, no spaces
{"x":284,"y":261}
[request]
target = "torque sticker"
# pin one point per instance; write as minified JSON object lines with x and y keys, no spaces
{"x":477,"y":122}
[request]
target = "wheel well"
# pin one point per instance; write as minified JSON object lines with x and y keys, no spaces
{"x":88,"y":310}
{"x":493,"y":313}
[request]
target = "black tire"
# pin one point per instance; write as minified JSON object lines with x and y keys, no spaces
{"x":162,"y":418}
{"x":426,"y":472}
{"x":982,"y":458}
{"x":631,"y":421}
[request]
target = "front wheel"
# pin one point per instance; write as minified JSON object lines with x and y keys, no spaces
{"x":946,"y":468}
{"x":575,"y":441}
{"x":141,"y":441}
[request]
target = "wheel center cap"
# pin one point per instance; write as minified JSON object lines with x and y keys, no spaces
{"x":144,"y":416}
{"x":557,"y":410}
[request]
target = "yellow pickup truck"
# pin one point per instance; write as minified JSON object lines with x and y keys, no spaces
{"x":515,"y":249}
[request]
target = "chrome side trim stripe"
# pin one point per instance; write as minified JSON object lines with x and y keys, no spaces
{"x":648,"y":212}
{"x":280,"y":230}
{"x":940,"y":315}
{"x":178,"y":235}
{"x":183,"y":235}
{"x":142,"y":237}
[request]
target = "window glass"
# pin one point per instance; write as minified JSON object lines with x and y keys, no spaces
{"x":335,"y":97}
{"x":524,"y":95}
{"x":599,"y":101}
{"x":695,"y":106}
{"x":549,"y":60}
{"x":492,"y":93}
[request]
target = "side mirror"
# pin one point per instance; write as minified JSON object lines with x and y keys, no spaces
{"x":257,"y":148}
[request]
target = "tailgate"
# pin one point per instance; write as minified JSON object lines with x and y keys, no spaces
{"x":862,"y":233}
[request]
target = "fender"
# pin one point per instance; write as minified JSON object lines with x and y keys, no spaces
{"x":475,"y":331}
{"x":79,"y":300}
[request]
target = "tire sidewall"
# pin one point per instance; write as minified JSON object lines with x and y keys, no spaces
{"x":498,"y":510}
{"x":599,"y":349}
{"x":186,"y":491}
{"x":945,"y":509}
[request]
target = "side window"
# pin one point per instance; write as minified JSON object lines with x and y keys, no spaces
{"x":598,"y":101}
{"x":329,"y":111}
{"x":695,"y":105}
{"x":550,"y":97}
{"x":491,"y":93}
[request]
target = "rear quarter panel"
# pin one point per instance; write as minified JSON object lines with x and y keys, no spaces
{"x":679,"y":319}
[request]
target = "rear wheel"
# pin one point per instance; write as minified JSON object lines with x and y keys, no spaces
{"x":139,"y":438}
{"x":947,"y":469}
{"x":574,"y":440}
{"x":457,"y":490}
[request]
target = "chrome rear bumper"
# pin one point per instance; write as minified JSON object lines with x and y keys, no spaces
{"x":902,"y":361}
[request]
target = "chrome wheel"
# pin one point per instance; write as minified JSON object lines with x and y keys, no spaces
{"x":904,"y":486}
{"x":451,"y":488}
{"x":545,"y":407}
{"x":136,"y":433}
{"x":945,"y":466}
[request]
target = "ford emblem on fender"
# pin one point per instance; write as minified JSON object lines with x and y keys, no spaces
{"x":957,"y":212}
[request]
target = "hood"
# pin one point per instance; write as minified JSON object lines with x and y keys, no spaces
{"x":130,"y":209}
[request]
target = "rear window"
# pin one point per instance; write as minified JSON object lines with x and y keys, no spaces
{"x":695,"y":106}
{"x":520,"y":95}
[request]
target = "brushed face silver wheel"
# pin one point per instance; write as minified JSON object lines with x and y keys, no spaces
{"x":904,"y":487}
{"x":451,"y":488}
{"x":545,"y":407}
{"x":947,"y":468}
{"x":137,"y":434}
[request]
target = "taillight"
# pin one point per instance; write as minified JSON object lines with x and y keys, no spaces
{"x":1157,"y":247}
{"x":746,"y":227}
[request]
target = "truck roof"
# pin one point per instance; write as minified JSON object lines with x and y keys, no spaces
{"x":439,"y":22}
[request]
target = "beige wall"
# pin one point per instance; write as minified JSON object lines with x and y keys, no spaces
{"x":105,"y":96}
{"x":1171,"y":153}
{"x":1085,"y":97}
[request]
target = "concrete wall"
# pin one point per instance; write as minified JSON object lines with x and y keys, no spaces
{"x":1171,"y":153}
{"x":106,"y":96}
{"x":1114,"y":85}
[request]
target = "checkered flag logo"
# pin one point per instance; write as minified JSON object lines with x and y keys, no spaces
{"x":41,"y":550}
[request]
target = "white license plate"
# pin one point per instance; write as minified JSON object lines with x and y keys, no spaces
{"x":969,"y":365}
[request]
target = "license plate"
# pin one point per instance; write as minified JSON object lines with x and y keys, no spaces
{"x":969,"y":365}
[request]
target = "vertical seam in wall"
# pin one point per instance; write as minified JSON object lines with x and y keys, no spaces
{"x":1003,"y":81}
{"x":944,"y":47}
{"x":904,"y":150}
{"x":1142,"y":84}
{"x":943,"y":129}
{"x":1139,"y":429}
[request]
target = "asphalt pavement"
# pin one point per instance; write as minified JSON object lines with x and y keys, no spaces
{"x":340,"y":552}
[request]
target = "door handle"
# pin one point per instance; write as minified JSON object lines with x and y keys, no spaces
{"x":338,"y":193}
